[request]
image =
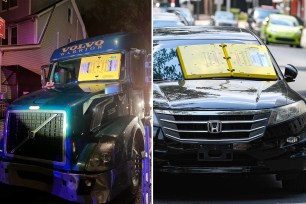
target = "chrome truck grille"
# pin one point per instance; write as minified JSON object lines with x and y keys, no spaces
{"x":36,"y":135}
{"x":213,"y":126}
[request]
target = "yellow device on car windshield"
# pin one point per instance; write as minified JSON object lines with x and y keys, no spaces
{"x":226,"y":60}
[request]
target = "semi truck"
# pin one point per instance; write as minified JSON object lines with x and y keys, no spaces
{"x":81,"y":137}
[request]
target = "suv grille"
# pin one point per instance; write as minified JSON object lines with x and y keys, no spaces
{"x":194,"y":126}
{"x":47,"y":143}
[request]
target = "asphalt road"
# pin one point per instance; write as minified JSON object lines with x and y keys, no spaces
{"x":192,"y":189}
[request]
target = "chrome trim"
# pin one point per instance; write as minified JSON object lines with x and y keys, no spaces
{"x":214,"y":140}
{"x":204,"y":131}
{"x":261,"y":116}
{"x":208,"y":112}
{"x":251,"y":130}
{"x":190,"y":131}
{"x":205,"y":122}
{"x":31,"y":158}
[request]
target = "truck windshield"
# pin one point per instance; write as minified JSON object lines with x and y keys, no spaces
{"x":90,"y":68}
{"x":169,"y":64}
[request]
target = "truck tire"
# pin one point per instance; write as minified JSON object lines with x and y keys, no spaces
{"x":136,"y":170}
{"x":297,"y":184}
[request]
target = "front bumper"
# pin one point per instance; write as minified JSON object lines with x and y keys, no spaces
{"x":268,"y":154}
{"x":83,"y":188}
{"x":290,"y":39}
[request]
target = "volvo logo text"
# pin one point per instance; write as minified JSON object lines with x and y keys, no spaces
{"x":214,"y":126}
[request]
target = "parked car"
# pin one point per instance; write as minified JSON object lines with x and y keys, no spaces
{"x":222,"y":105}
{"x":258,"y":15}
{"x":223,"y":18}
{"x":279,"y":28}
{"x":167,"y":20}
{"x":184,"y":12}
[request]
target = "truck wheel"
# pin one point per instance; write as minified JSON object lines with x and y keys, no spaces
{"x":297,"y":184}
{"x":136,"y":170}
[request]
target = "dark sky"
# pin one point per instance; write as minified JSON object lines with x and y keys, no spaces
{"x":109,"y":16}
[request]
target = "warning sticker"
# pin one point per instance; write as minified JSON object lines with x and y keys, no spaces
{"x":259,"y":59}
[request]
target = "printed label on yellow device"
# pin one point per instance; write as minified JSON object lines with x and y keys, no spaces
{"x":100,"y":67}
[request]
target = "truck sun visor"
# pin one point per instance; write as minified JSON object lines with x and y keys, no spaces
{"x":100,"y":67}
{"x":226,"y":60}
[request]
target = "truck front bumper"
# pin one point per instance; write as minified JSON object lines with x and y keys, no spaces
{"x":83,"y":188}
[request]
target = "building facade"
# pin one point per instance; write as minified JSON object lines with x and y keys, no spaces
{"x":34,"y":29}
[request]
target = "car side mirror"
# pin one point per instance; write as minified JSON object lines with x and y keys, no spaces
{"x":138,"y":59}
{"x":44,"y":74}
{"x":290,"y":73}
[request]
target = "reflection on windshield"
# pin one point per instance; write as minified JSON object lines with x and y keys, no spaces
{"x":163,"y":23}
{"x":262,"y":14}
{"x":224,"y":15}
{"x":166,"y":65}
{"x":284,"y":22}
{"x":66,"y":71}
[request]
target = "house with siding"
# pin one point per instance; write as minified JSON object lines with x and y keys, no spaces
{"x":34,"y":29}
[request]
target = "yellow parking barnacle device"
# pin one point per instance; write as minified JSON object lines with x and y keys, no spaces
{"x":226,"y":60}
{"x":100,"y":67}
{"x":202,"y":61}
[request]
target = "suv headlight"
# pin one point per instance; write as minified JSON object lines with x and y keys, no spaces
{"x":155,"y":120}
{"x":287,"y":112}
{"x":103,"y":156}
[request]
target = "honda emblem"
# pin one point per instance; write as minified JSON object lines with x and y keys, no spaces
{"x":214,"y":126}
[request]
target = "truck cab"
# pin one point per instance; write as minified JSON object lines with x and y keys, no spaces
{"x":81,"y":137}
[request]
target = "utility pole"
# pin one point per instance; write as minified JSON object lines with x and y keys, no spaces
{"x":228,"y":5}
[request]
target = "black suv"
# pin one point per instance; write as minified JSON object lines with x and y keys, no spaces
{"x":225,"y":124}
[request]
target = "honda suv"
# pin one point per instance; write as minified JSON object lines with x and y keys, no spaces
{"x":222,"y":105}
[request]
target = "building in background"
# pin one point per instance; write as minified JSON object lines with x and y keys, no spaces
{"x":34,"y":29}
{"x":298,"y":9}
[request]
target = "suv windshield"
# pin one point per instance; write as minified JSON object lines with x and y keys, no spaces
{"x":167,"y":64}
{"x":224,"y":15}
{"x":264,"y":13}
{"x":90,"y":68}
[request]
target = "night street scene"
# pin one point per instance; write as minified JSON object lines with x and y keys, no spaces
{"x":75,"y":101}
{"x":234,"y":132}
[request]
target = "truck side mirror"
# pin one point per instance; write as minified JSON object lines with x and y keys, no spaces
{"x":138,"y":59}
{"x":290,"y":73}
{"x":44,"y":74}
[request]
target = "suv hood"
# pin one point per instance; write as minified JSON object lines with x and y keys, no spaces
{"x":232,"y":94}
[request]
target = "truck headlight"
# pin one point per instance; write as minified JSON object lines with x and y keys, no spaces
{"x":287,"y":112}
{"x":103,"y":156}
